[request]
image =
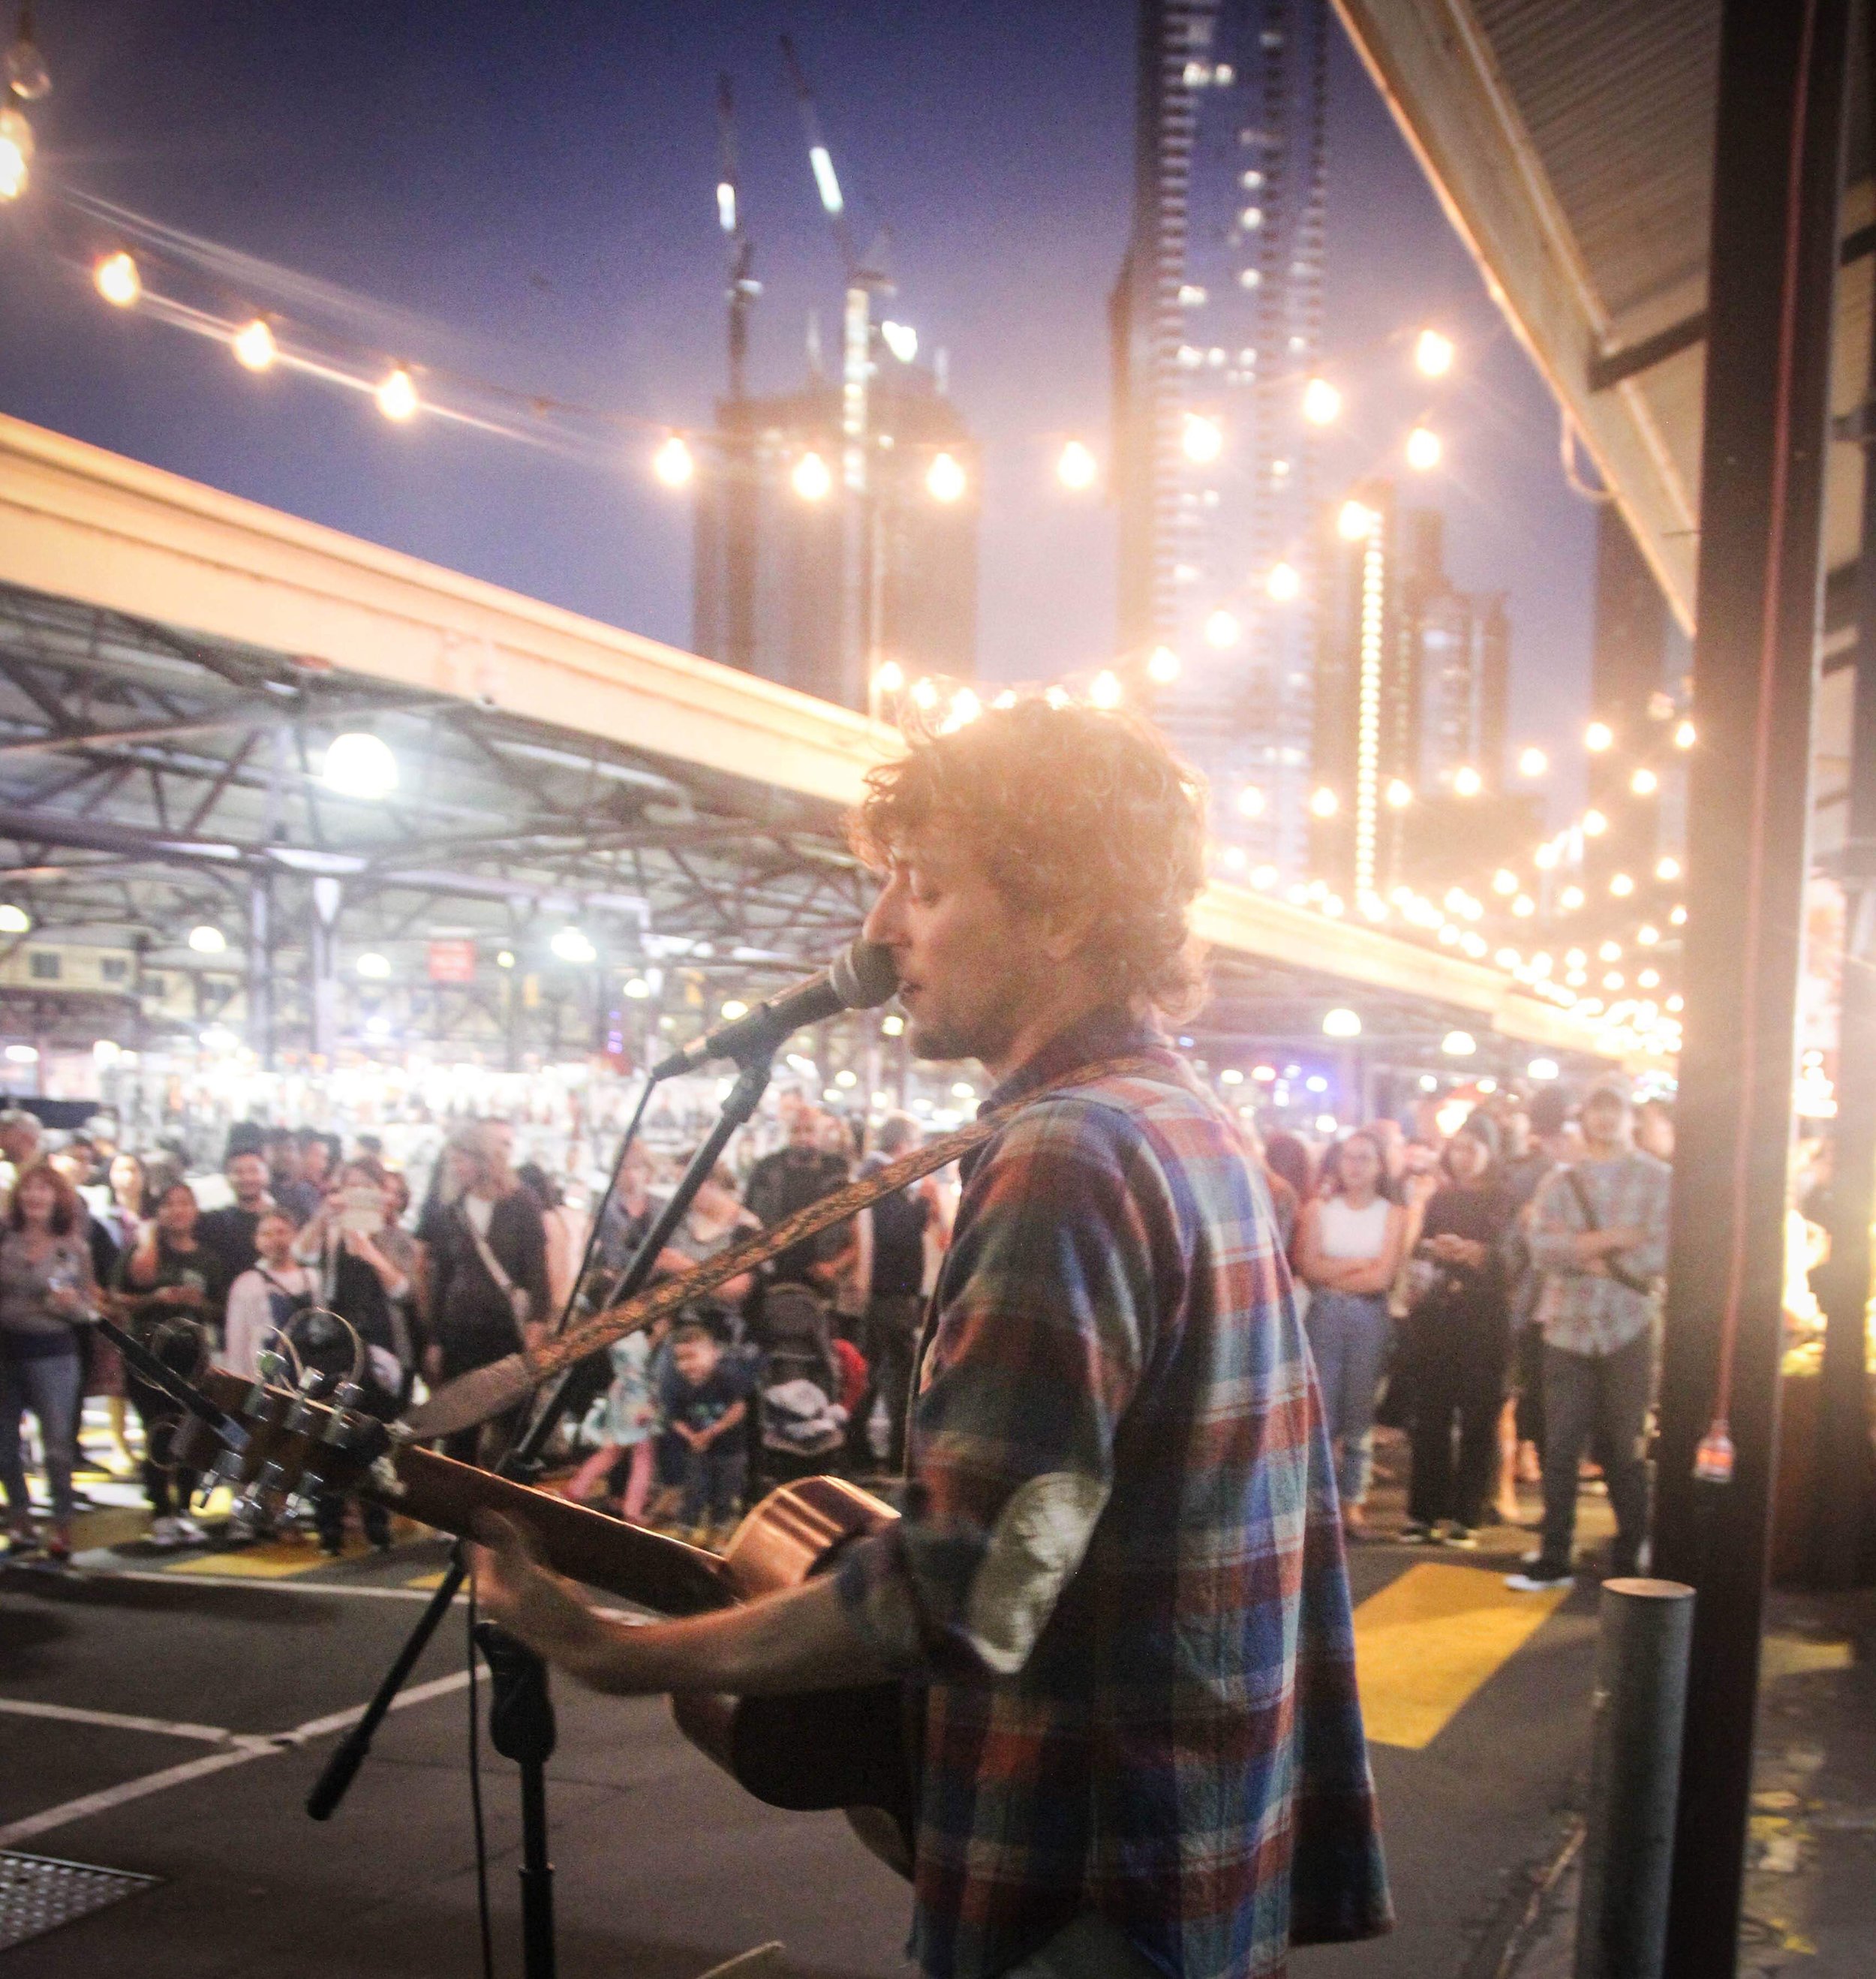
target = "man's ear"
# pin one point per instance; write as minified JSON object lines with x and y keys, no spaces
{"x":1062,"y":934}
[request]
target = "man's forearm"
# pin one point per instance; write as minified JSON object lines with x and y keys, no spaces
{"x":802,"y":1640}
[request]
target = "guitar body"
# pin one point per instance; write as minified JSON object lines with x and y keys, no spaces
{"x":810,"y":1751}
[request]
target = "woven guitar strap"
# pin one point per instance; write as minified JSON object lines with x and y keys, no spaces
{"x":483,"y":1392}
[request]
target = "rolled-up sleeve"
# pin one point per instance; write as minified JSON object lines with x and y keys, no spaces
{"x":1036,"y":1348}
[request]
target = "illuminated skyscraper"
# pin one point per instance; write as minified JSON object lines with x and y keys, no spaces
{"x":1217,"y":331}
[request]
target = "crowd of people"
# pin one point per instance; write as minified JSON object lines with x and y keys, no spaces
{"x":319,"y":1252}
{"x":1493,"y":1292}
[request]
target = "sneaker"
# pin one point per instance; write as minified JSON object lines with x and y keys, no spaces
{"x":188,"y":1531}
{"x":1539,"y":1575}
{"x":1417,"y":1532}
{"x":164,"y":1535}
{"x":1454,"y":1534}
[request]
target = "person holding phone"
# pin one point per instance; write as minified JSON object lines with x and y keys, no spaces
{"x":47,"y":1293}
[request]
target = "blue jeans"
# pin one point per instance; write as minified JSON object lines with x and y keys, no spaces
{"x":1348,"y":1337}
{"x":50,"y":1385}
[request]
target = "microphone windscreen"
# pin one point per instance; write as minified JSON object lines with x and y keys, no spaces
{"x":863,"y":975}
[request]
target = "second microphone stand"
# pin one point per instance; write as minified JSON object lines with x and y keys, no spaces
{"x":521,"y":1691}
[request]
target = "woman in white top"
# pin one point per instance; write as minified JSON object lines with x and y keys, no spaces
{"x":1349,"y":1245}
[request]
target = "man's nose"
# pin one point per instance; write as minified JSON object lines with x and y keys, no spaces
{"x":883,"y":919}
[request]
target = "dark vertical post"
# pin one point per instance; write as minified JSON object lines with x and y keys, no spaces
{"x":260,"y":968}
{"x":1771,"y":294}
{"x":1840,"y":1506}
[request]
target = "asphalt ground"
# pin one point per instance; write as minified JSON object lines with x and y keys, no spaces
{"x":227,"y":1664}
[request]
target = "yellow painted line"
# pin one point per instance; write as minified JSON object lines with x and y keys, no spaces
{"x":1428,"y":1640}
{"x":254,"y":1562}
{"x":1782,"y":1656}
{"x":427,"y":1580}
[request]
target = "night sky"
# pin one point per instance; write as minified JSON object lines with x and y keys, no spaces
{"x":534,"y":185}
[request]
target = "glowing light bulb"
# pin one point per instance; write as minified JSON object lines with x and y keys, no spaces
{"x":1644,"y":783}
{"x":1668,"y":867}
{"x":1684,"y":735}
{"x":733,"y":1009}
{"x":25,"y":71}
{"x":925,"y":695}
{"x":572,"y":945}
{"x":373,"y":967}
{"x":1598,"y":737}
{"x":1533,"y":762}
{"x":944,"y":480}
{"x":254,"y":346}
{"x":673,"y":463}
{"x":15,"y":152}
{"x":1594,"y":824}
{"x":1400,"y":794}
{"x":889,"y":676}
{"x":1324,"y":802}
{"x":1353,"y":521}
{"x":1105,"y":691}
{"x":117,"y":281}
{"x":1570,"y":899}
{"x":14,"y":919}
{"x":1162,"y":666}
{"x":1610,"y":951}
{"x":1620,"y":885}
{"x":1524,"y":906}
{"x":360,"y":764}
{"x":1647,"y":934}
{"x":1322,"y":401}
{"x":1077,"y":468}
{"x":1433,"y":354}
{"x":397,"y":396}
{"x":1222,"y":628}
{"x":1424,"y":449}
{"x":1677,"y":917}
{"x":965,"y":708}
{"x":1284,"y":583}
{"x":1544,"y":857}
{"x":1458,"y":1044}
{"x":1341,"y":1023}
{"x":1251,"y":801}
{"x":1467,"y":782}
{"x":207,"y":939}
{"x":810,"y":479}
{"x":1201,"y":439}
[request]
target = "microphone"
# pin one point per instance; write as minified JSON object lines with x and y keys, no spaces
{"x":861,"y":976}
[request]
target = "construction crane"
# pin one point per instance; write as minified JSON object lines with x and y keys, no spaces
{"x":865,"y":277}
{"x":743,"y":288}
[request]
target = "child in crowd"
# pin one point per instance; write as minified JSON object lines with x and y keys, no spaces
{"x":626,"y":1421}
{"x":704,"y":1398}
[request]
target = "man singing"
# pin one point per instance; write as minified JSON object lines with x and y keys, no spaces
{"x":1117,"y":1594}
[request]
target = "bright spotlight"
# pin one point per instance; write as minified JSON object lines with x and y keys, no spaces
{"x":1433,"y":354}
{"x":1077,"y":468}
{"x":810,"y":479}
{"x":1202,"y":439}
{"x":1353,"y":520}
{"x":1322,"y":401}
{"x":117,"y":280}
{"x":254,"y":346}
{"x":944,"y":479}
{"x":1424,"y":449}
{"x":360,"y":764}
{"x":673,"y":463}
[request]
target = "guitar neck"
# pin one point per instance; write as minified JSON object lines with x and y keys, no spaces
{"x":639,"y":1565}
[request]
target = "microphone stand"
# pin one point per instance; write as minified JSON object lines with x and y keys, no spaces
{"x":521,"y":1715}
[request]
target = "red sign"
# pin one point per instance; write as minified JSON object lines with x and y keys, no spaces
{"x":453,"y":962}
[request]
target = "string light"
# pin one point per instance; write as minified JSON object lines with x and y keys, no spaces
{"x":1106,"y":691}
{"x":1677,"y":917}
{"x":1433,"y":354}
{"x":1077,"y":468}
{"x":1284,"y":583}
{"x":1644,"y":783}
{"x":1570,"y":899}
{"x":1251,"y":801}
{"x":1684,"y":735}
{"x":116,"y":280}
{"x":1467,"y":782}
{"x":889,"y":677}
{"x":397,"y":396}
{"x":810,"y":479}
{"x":1222,"y":628}
{"x":1353,"y":520}
{"x":1162,"y":665}
{"x":1667,"y":867}
{"x":254,"y":346}
{"x":1424,"y":449}
{"x":207,"y":939}
{"x":1598,"y":737}
{"x":673,"y":464}
{"x":925,"y":695}
{"x":1400,"y":794}
{"x":1341,"y":1023}
{"x":945,"y":479}
{"x":1647,"y":934}
{"x":1504,"y":880}
{"x":1533,"y":762}
{"x":1524,"y":906}
{"x":1324,"y":802}
{"x":1546,"y":857}
{"x":1620,"y":885}
{"x":1594,"y":824}
{"x":16,"y":148}
{"x":374,"y":968}
{"x":1610,"y":951}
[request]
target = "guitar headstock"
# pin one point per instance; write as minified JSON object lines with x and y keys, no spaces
{"x":282,"y":1438}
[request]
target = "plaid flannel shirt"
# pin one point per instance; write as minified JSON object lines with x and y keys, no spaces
{"x":1582,"y":1311}
{"x":1120,"y":1581}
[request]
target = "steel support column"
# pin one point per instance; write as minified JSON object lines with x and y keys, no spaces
{"x":1772,"y":292}
{"x":260,"y":1027}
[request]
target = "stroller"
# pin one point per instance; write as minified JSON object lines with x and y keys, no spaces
{"x":801,"y":1426}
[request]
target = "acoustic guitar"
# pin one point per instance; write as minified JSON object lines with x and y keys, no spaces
{"x":811,"y":1751}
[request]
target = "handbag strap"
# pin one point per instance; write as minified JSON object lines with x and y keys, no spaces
{"x":1616,"y":1269}
{"x":491,"y":1264}
{"x":576,"y":1342}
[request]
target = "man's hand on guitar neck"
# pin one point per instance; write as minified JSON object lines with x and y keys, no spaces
{"x":800,"y":1640}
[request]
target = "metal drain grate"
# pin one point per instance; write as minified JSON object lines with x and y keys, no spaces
{"x":38,"y":1893}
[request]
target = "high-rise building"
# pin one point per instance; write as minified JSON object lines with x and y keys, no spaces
{"x":1216,"y":323}
{"x":772,"y":547}
{"x":1457,"y":661}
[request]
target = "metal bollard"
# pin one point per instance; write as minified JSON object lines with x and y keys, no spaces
{"x":1635,"y":1764}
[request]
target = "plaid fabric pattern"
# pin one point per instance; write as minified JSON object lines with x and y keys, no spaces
{"x":1580,"y":1310}
{"x":1122,"y":1501}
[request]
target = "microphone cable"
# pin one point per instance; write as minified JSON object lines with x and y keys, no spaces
{"x":475,"y":1809}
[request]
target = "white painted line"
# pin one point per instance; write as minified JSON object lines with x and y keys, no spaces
{"x":242,"y":1747}
{"x":255,"y":1582}
{"x":116,"y":1721}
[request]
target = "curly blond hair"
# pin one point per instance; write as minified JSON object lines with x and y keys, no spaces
{"x":1073,"y":812}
